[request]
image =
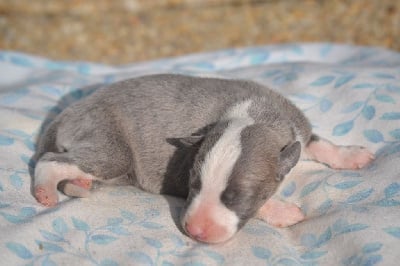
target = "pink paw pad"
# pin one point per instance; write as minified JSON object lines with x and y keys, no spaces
{"x":45,"y":197}
{"x":82,"y":182}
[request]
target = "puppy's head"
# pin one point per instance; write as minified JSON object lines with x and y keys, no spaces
{"x":238,"y":167}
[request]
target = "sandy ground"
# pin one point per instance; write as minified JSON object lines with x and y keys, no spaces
{"x":122,"y":31}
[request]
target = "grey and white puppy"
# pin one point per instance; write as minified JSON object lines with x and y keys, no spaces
{"x":222,"y":144}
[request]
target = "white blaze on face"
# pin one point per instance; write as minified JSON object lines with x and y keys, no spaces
{"x":220,"y":160}
{"x":206,"y":208}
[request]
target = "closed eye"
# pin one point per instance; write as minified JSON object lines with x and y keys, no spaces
{"x":194,"y":183}
{"x":228,"y":197}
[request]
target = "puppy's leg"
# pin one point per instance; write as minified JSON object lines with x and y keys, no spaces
{"x":280,"y":214}
{"x":79,"y":187}
{"x":51,"y":170}
{"x":337,"y":157}
{"x":79,"y":166}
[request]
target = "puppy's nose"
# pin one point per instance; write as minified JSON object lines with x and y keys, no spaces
{"x":195,"y":231}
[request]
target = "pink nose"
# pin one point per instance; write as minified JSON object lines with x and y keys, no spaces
{"x":196,"y":231}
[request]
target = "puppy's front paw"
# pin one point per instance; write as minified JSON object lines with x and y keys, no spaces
{"x":280,"y":214}
{"x":352,"y":157}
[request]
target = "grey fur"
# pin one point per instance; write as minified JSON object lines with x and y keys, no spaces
{"x":139,"y":127}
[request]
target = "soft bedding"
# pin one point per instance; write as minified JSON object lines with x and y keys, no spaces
{"x":351,"y":96}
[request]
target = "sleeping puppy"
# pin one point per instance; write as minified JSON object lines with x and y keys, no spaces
{"x":224,"y":145}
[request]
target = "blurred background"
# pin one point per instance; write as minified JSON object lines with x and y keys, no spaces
{"x":125,"y":31}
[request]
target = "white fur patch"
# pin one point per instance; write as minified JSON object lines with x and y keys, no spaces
{"x":220,"y":160}
{"x":50,"y":171}
{"x":217,"y":168}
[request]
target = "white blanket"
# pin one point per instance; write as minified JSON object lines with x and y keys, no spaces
{"x":350,"y":94}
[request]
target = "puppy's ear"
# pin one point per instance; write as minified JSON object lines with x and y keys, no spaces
{"x":191,"y":141}
{"x":288,"y":158}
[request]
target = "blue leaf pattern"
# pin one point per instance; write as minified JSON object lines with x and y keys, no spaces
{"x":372,"y":260}
{"x":393,"y":231}
{"x":343,"y":128}
{"x":108,"y":262}
{"x":101,"y":239}
{"x":289,"y":189}
{"x":19,"y":250}
{"x":6,"y":141}
{"x":16,"y":180}
{"x":325,"y":206}
{"x":385,"y":98}
{"x":313,"y":255}
{"x":353,"y":107}
{"x":373,"y":135}
{"x":261,"y":252}
{"x":16,"y":96}
{"x":151,"y":225}
{"x":324,"y":80}
{"x":309,"y":188}
{"x":258,"y":58}
{"x":21,"y":61}
{"x":285,"y":78}
{"x":384,"y":76}
{"x":51,"y":236}
{"x":391,"y":116}
{"x":392,"y":190}
{"x":372,"y":247}
{"x":353,"y":228}
{"x":362,"y":195}
{"x":153,"y":242}
{"x":395,"y":133}
{"x":347,"y":184}
{"x":325,"y":237}
{"x":80,"y":225}
{"x":343,"y":80}
{"x":60,"y":226}
{"x":308,"y":240}
{"x":366,"y":256}
{"x":325,"y":105}
{"x":128,"y":215}
{"x":387,"y":203}
{"x":392,"y":88}
{"x":368,"y":112}
{"x":364,"y":86}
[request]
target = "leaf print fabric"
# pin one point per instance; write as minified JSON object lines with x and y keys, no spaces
{"x":351,"y":96}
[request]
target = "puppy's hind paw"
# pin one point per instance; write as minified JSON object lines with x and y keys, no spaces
{"x":82,"y":182}
{"x":45,"y":196}
{"x":72,"y":190}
